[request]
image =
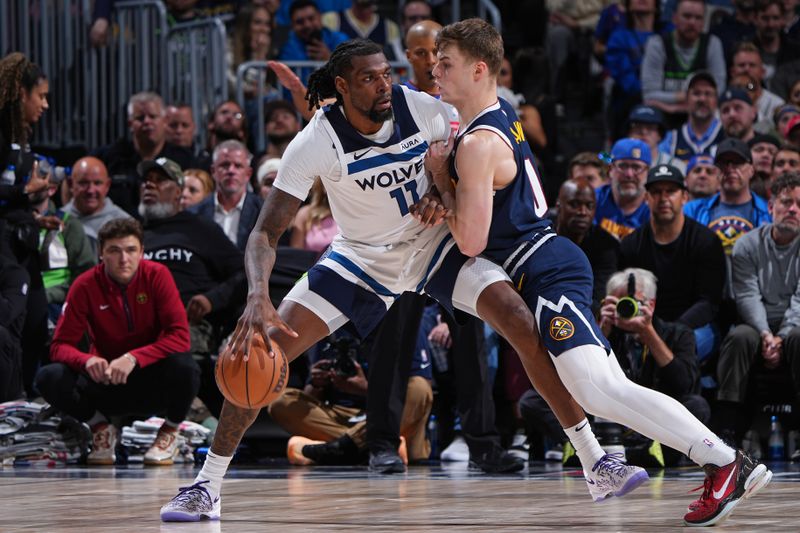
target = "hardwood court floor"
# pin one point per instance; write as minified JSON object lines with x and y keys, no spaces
{"x":427,"y":498}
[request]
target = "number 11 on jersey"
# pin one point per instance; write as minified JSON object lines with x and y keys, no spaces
{"x":400,"y":196}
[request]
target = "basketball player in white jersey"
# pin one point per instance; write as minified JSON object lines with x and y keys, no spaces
{"x":369,"y":149}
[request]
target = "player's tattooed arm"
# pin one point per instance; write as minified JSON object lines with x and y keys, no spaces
{"x":259,"y":314}
{"x":277,"y":213}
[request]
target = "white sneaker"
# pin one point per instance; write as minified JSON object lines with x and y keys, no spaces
{"x":456,"y":452}
{"x":192,"y":504}
{"x":611,"y":477}
{"x":164,"y":450}
{"x":104,"y":443}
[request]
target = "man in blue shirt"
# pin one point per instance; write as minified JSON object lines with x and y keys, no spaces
{"x":309,"y":40}
{"x":734,"y":210}
{"x":620,"y":205}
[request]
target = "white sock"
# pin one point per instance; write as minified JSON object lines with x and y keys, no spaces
{"x":97,"y":418}
{"x":711,"y":449}
{"x":586,"y":446}
{"x":213,"y":471}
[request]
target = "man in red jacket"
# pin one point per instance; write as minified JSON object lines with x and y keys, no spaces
{"x":137,"y":362}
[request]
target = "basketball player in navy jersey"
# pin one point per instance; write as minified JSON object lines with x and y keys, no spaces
{"x":368,"y":149}
{"x":491,"y":187}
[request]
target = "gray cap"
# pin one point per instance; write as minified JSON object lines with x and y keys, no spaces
{"x":168,"y":167}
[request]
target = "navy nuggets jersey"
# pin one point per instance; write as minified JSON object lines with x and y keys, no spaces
{"x":550,"y":272}
{"x":519,"y":210}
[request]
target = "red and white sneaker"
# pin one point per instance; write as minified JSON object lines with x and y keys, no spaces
{"x":724,"y":487}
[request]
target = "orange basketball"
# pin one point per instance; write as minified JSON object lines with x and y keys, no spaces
{"x":254,"y":383}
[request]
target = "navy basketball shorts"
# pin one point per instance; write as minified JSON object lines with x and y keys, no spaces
{"x":556,"y":283}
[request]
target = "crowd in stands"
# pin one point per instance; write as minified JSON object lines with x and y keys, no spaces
{"x":687,"y":206}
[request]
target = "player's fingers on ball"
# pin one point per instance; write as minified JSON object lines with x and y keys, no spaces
{"x":283,"y":326}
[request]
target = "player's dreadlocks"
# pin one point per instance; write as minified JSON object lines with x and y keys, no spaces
{"x":16,"y":73}
{"x":321,"y":83}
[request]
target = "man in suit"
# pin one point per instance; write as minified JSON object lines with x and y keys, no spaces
{"x":232,"y":206}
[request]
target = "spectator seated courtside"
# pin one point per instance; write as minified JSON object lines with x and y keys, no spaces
{"x":136,"y":363}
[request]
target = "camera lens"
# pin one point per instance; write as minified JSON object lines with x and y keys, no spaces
{"x":627,"y":307}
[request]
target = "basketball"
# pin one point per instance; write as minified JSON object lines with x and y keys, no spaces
{"x":254,"y":383}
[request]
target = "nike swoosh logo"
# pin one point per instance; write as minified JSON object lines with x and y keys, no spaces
{"x":103,"y":307}
{"x":721,"y":492}
{"x":583,"y":426}
{"x":423,"y":367}
{"x":356,"y":157}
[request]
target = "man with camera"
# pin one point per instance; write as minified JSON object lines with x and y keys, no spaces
{"x":327,"y":418}
{"x":652,"y":352}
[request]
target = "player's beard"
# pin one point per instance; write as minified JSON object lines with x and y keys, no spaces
{"x":379,"y":116}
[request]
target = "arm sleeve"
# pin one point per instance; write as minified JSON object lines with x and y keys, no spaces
{"x":310,"y":154}
{"x":653,"y":62}
{"x":679,"y":376}
{"x":619,"y":64}
{"x":430,"y":114}
{"x":710,"y":282}
{"x":72,"y":325}
{"x":174,"y":335}
{"x":745,"y":283}
{"x":13,"y":292}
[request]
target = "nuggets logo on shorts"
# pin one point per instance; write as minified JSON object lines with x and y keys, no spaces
{"x":561,"y":329}
{"x":141,"y":298}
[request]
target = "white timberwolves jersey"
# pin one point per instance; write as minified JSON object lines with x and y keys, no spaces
{"x":371,"y":181}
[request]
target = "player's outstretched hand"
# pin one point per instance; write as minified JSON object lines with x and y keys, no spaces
{"x":286,"y":76}
{"x":259,"y":315}
{"x":429,"y":211}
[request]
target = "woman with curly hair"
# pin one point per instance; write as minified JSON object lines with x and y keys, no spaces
{"x":23,"y":99}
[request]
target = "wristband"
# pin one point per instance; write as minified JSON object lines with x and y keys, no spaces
{"x":131,"y":358}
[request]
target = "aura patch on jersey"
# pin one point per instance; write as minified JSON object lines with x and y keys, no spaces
{"x":729,"y":229}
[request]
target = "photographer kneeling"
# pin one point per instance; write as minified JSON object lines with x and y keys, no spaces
{"x":328,"y":417}
{"x":653,"y":353}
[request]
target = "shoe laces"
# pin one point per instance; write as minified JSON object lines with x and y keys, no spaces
{"x":705,"y":497}
{"x":612,"y":463}
{"x":192,"y":493}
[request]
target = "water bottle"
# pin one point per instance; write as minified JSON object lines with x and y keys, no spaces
{"x":775,"y":440}
{"x":9,"y":176}
{"x":433,"y":436}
